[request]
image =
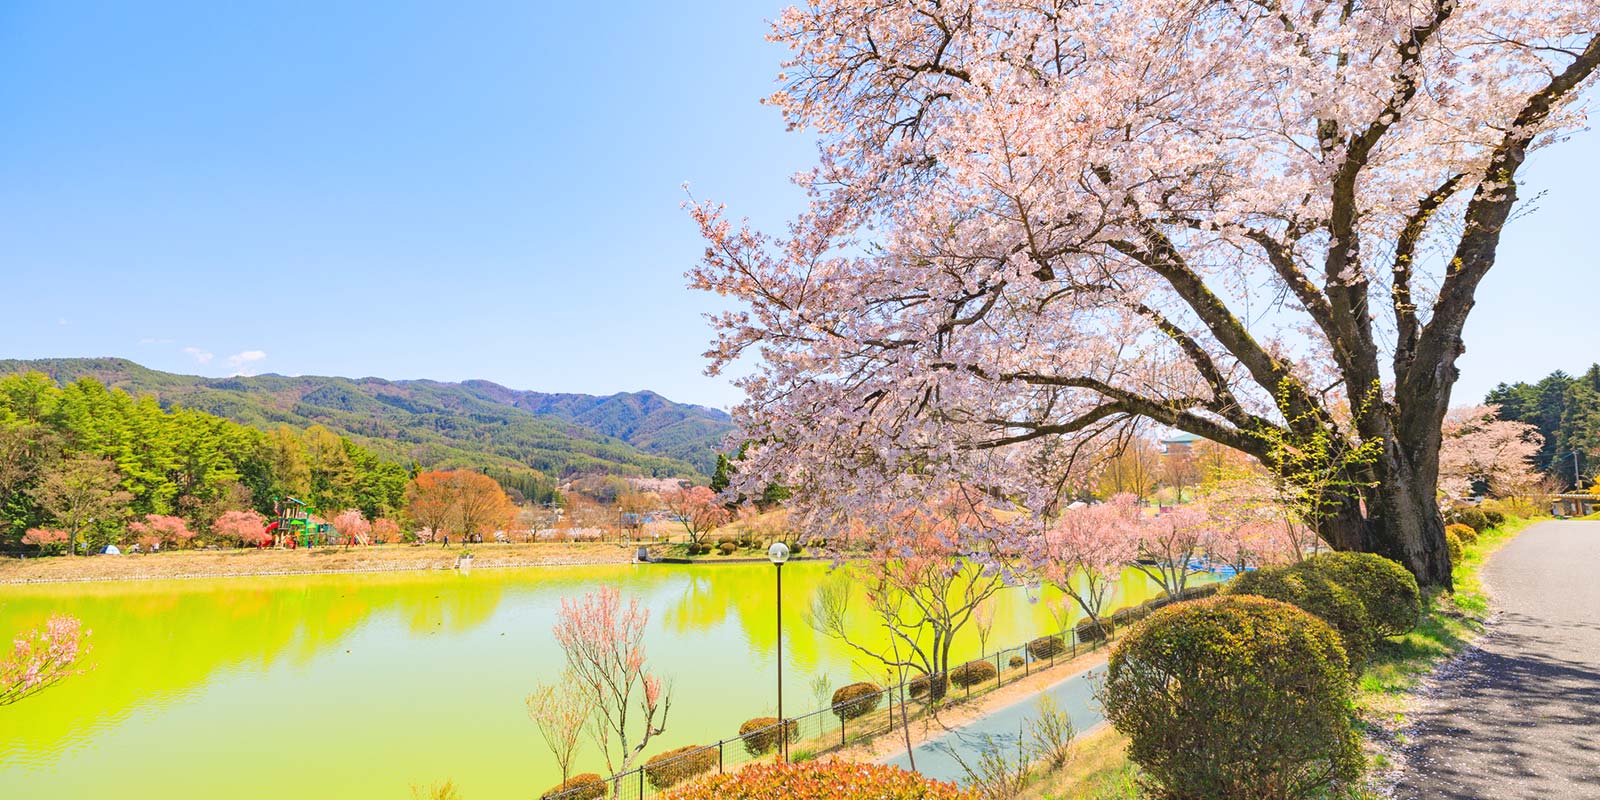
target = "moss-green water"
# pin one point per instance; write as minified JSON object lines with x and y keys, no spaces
{"x":358,"y":686}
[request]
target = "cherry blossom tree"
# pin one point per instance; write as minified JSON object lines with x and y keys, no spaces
{"x":561,"y":713}
{"x":353,"y":525}
{"x":1087,"y":548}
{"x":927,"y":576}
{"x":1479,"y":446}
{"x":1260,"y":223}
{"x":698,"y":510}
{"x":603,"y":639}
{"x":385,"y":530}
{"x":241,"y":527}
{"x":1168,"y":545}
{"x":48,"y":540}
{"x":168,"y":530}
{"x":1249,"y":523}
{"x":41,"y":658}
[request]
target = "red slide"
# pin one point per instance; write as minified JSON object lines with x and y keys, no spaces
{"x":270,"y":529}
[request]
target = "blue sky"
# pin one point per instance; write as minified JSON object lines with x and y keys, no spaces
{"x":489,"y":190}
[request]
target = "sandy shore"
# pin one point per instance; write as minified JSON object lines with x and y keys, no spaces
{"x":232,"y":563}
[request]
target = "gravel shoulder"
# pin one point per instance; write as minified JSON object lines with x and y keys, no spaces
{"x":1517,"y":715}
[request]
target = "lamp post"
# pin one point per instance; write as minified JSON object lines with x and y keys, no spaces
{"x":779,"y":553}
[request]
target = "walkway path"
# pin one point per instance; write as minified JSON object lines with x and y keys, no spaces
{"x":1074,"y":694}
{"x":1518,"y":716}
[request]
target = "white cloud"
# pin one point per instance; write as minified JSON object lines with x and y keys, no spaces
{"x":61,"y":320}
{"x":239,"y":360}
{"x":154,"y":340}
{"x":199,"y":356}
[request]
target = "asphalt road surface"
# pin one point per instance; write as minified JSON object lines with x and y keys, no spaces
{"x":1518,"y":715}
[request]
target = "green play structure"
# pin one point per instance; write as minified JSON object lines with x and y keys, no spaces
{"x":298,"y":526}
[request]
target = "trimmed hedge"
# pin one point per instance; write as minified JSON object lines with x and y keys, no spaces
{"x":1389,"y":591}
{"x":919,"y":685}
{"x":587,"y":786}
{"x":821,"y":780}
{"x":856,"y":700}
{"x":1045,"y":647}
{"x":1464,"y":532}
{"x":676,"y":766}
{"x":762,"y":734}
{"x":973,"y":673}
{"x":1496,"y":518}
{"x":1472,"y":517}
{"x":727,"y":548}
{"x":1452,"y":540}
{"x":1016,"y":662}
{"x":1320,"y":595}
{"x":1236,"y":697}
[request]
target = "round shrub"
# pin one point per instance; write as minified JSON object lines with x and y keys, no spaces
{"x":1090,"y":631}
{"x":1388,"y":590}
{"x":1496,"y":518}
{"x":676,"y":766}
{"x":727,"y":548}
{"x":821,"y":780}
{"x":1016,"y":662}
{"x":762,"y":735}
{"x":920,"y":684}
{"x":973,"y":673}
{"x":1319,"y":594}
{"x":1471,"y":517}
{"x":1046,"y":647}
{"x":1463,"y":532}
{"x":1235,"y":696}
{"x":856,"y":700}
{"x":1452,"y":540}
{"x":587,"y":786}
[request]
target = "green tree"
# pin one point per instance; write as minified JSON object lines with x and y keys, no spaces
{"x":82,"y":491}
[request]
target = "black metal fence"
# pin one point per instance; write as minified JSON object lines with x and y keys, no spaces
{"x":877,"y":712}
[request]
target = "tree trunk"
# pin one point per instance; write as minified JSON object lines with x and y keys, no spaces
{"x":1397,"y":518}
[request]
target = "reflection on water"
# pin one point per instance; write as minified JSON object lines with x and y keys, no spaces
{"x":358,"y":686}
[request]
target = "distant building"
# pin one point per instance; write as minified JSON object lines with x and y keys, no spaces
{"x":1180,"y":444}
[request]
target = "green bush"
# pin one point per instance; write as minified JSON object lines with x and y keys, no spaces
{"x":1046,"y":647}
{"x":1471,"y":517}
{"x":1235,"y":697}
{"x":1496,"y":518}
{"x":1387,"y":590}
{"x":676,"y":766}
{"x":973,"y":673}
{"x":1321,"y":595}
{"x":1016,"y":662}
{"x":856,"y":700}
{"x":1452,"y":540}
{"x":1088,"y":631}
{"x":587,"y":786}
{"x":1463,"y":532}
{"x":727,"y":548}
{"x":761,"y":735}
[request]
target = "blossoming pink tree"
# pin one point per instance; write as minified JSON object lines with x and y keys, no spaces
{"x":353,"y":525}
{"x":603,"y":639}
{"x":1479,"y":446}
{"x":241,"y":527}
{"x":560,"y":712}
{"x":48,"y":540}
{"x":1033,"y":223}
{"x":385,"y":530}
{"x":698,"y":510}
{"x":168,"y":530}
{"x":1169,"y":544}
{"x":1087,"y":548}
{"x":41,"y":658}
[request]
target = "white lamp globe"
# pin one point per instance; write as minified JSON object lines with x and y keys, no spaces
{"x":778,"y":552}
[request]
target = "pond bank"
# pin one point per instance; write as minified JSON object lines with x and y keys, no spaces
{"x":183,"y":564}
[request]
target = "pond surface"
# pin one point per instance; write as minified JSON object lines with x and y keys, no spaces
{"x":359,"y":686}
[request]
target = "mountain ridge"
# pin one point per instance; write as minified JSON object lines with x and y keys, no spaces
{"x":441,"y":423}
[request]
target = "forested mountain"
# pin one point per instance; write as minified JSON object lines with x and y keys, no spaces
{"x":1566,"y":409}
{"x":441,"y":425}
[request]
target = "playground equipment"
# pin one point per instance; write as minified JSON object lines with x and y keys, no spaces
{"x":297,"y":525}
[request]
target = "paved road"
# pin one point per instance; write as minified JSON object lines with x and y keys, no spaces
{"x":1518,"y":716}
{"x":999,"y":728}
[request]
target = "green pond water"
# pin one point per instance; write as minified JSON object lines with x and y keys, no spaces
{"x":359,"y":686}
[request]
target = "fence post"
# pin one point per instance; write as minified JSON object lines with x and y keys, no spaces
{"x":719,"y":752}
{"x":841,"y":730}
{"x":997,"y":670}
{"x":641,"y":783}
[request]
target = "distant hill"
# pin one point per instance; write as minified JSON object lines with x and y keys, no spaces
{"x":476,"y":423}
